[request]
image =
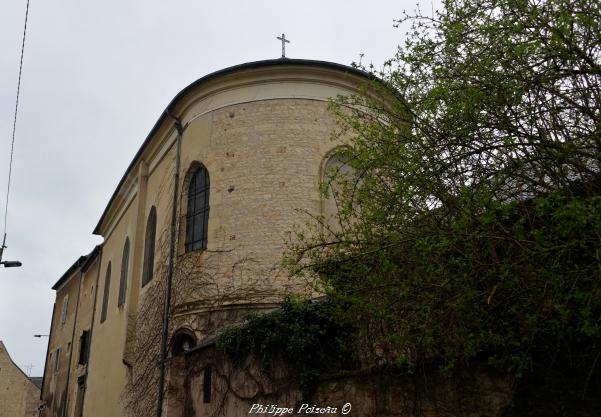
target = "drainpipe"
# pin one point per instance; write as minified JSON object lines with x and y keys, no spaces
{"x":167,"y":302}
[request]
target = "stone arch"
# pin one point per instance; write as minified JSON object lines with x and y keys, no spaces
{"x":336,"y":158}
{"x":182,"y":341}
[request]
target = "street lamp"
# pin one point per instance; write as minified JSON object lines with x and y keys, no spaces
{"x":41,"y":335}
{"x":7,"y":264}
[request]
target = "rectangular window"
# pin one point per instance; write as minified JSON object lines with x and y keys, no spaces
{"x":84,"y":347}
{"x":81,"y":390}
{"x":206,"y":388}
{"x":57,"y":357}
{"x":64,"y":310}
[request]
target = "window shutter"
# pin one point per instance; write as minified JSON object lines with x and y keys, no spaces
{"x":64,"y":310}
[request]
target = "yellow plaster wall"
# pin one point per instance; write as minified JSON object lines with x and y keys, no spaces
{"x":107,"y":374}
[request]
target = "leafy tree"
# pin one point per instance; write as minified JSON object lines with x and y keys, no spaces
{"x":471,"y":226}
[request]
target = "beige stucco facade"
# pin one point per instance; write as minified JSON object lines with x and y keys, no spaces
{"x":19,"y":397}
{"x":263,"y":133}
{"x":68,"y":345}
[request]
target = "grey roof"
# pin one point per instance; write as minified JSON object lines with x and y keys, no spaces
{"x":37,"y":381}
{"x":82,"y":262}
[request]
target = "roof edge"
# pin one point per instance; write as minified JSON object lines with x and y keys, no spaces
{"x":17,"y":366}
{"x":249,"y":65}
{"x":81,"y":263}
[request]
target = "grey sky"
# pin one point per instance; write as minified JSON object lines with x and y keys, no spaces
{"x":96,"y":77}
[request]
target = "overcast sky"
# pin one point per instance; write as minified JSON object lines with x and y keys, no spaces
{"x":96,"y":77}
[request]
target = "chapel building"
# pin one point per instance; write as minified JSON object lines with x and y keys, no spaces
{"x":199,"y":221}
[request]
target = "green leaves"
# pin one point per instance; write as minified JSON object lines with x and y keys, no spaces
{"x":478,"y":230}
{"x":311,"y":337}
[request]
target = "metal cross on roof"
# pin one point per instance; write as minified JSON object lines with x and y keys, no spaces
{"x":284,"y":42}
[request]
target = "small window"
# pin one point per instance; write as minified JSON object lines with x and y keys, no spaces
{"x":124,"y":267}
{"x":105,"y":297}
{"x":151,"y":227}
{"x":84,"y":342}
{"x":206,"y":386}
{"x":64,"y":309}
{"x":183,"y":341}
{"x":197,"y":217}
{"x":57,"y":357}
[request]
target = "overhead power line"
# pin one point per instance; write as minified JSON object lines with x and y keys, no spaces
{"x":12,"y":144}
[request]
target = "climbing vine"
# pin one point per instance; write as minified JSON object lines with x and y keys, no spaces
{"x":311,"y":337}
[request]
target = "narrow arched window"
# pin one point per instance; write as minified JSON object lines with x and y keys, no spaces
{"x":338,"y":170}
{"x":124,"y":267}
{"x":105,"y":297}
{"x":338,"y":179}
{"x":197,"y":217}
{"x":151,"y":228}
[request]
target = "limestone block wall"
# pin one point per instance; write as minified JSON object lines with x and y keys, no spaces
{"x":234,"y":389}
{"x":264,"y":160}
{"x":19,"y":397}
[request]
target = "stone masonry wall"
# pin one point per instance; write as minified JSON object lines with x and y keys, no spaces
{"x":264,"y":160}
{"x":19,"y":397}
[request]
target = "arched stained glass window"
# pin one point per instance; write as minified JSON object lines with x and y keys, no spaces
{"x":124,"y":267}
{"x":197,"y":217}
{"x":151,"y":229}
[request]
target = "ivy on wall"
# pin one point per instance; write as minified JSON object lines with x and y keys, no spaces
{"x":311,"y":337}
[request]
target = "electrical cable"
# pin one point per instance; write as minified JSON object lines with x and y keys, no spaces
{"x":12,"y":145}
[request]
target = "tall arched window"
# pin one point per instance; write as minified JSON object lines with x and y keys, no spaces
{"x":337,"y":176}
{"x":338,"y":169}
{"x":105,"y":297}
{"x":197,"y":218}
{"x":151,"y":229}
{"x":124,"y":267}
